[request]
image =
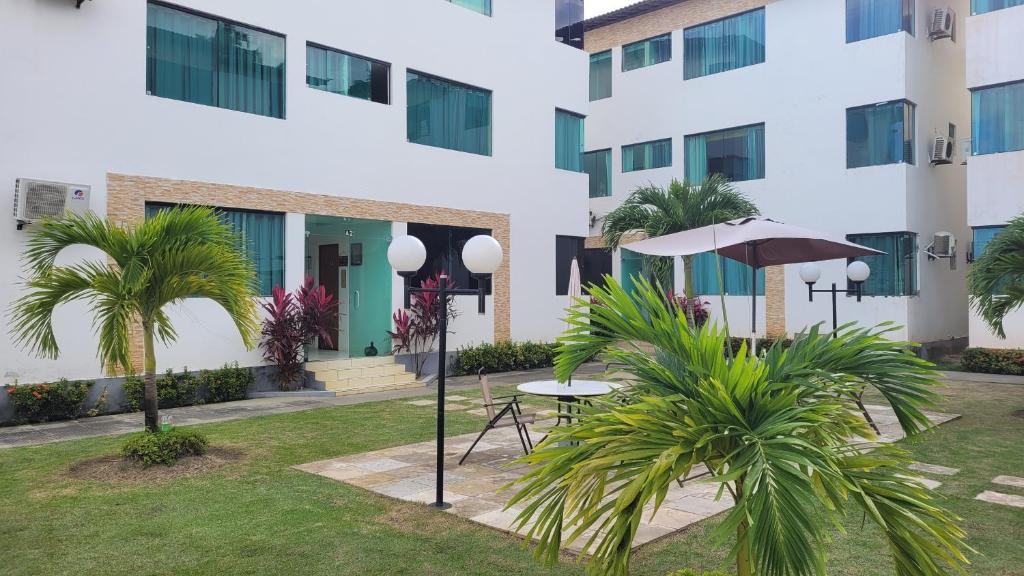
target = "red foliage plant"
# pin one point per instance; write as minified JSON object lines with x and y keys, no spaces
{"x":294,"y":321}
{"x":417,"y":329}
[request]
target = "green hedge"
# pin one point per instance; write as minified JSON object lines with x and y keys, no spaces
{"x":993,"y":361}
{"x":225,"y":384}
{"x":504,"y":357}
{"x":164,"y":447}
{"x":59,"y":400}
{"x":186,"y":388}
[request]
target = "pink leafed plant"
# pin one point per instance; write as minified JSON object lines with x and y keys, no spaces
{"x":293,"y":322}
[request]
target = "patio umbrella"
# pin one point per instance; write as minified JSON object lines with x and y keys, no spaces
{"x":757,"y":242}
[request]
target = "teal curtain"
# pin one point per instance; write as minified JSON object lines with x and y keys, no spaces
{"x":724,"y":44}
{"x":983,"y":235}
{"x":737,"y":154}
{"x":601,"y":75}
{"x":205,"y":61}
{"x":647,"y":52}
{"x":880,"y":134}
{"x":870,"y":18}
{"x":647,"y":155}
{"x":631,"y":269}
{"x":260,"y":236}
{"x":337,"y":72}
{"x":895,"y":272}
{"x":448,"y":115}
{"x":481,"y":6}
{"x":568,"y":141}
{"x":983,"y":6}
{"x":735,"y":276}
{"x":997,"y":118}
{"x":598,"y":164}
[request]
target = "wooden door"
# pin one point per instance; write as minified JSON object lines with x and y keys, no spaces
{"x":328,"y":272}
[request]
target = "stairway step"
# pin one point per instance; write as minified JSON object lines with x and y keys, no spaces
{"x":376,"y":388}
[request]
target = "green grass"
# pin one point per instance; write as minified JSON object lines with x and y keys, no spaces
{"x":259,"y":516}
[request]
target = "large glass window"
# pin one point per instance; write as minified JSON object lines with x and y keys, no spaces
{"x":444,"y":253}
{"x":601,"y":75}
{"x":343,"y":73}
{"x":598,"y":164}
{"x":997,"y":118}
{"x":737,"y":154}
{"x":982,"y":236}
{"x":214,"y":62}
{"x":893,"y":273}
{"x":983,"y":6}
{"x":567,"y":248}
{"x":647,"y":155}
{"x":870,"y":18}
{"x":725,"y":44}
{"x":447,"y":114}
{"x":735,"y":276}
{"x":568,"y":141}
{"x":260,"y":236}
{"x":481,"y":6}
{"x":880,"y":134}
{"x":647,"y":52}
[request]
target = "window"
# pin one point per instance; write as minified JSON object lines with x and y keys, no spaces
{"x":647,"y":52}
{"x":568,"y":141}
{"x":569,"y":22}
{"x":982,"y":236}
{"x":880,"y":134}
{"x":598,"y":164}
{"x":447,"y":114}
{"x":597,"y":263}
{"x":481,"y":6}
{"x":631,"y":265}
{"x":893,"y":273}
{"x":343,"y":73}
{"x":567,"y":248}
{"x":737,"y":154}
{"x":722,"y":45}
{"x":444,"y":253}
{"x":260,"y":236}
{"x":870,"y":18}
{"x":600,"y":75}
{"x":735,"y":276}
{"x":209,"y":61}
{"x":647,"y":155}
{"x":983,"y":6}
{"x":997,"y":118}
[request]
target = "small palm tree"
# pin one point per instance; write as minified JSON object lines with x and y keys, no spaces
{"x":656,"y":211}
{"x":176,"y":254}
{"x":996,"y":280}
{"x":780,"y":433}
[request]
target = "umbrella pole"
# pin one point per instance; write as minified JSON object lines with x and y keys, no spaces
{"x":753,"y":301}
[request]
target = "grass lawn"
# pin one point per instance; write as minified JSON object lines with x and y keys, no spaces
{"x":258,"y":516}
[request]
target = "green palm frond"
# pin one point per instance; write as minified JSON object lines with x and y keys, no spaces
{"x":996,"y":279}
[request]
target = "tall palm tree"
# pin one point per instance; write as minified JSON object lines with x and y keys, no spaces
{"x":781,"y":434}
{"x":656,"y":211}
{"x":176,"y":254}
{"x":996,"y":280}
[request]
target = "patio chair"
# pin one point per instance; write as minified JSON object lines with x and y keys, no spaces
{"x":499,"y":409}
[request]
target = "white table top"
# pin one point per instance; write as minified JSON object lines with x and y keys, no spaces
{"x":578,"y":388}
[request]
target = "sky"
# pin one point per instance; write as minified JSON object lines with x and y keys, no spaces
{"x":593,"y":8}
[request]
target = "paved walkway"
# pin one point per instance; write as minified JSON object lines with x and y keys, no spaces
{"x":32,"y":434}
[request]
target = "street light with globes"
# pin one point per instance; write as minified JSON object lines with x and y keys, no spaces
{"x":857,"y":271}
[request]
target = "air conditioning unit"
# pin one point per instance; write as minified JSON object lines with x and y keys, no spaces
{"x":943,"y":246}
{"x":942,"y":150}
{"x":943,"y":23}
{"x":38,"y":199}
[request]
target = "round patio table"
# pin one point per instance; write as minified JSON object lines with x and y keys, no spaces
{"x":568,"y":393}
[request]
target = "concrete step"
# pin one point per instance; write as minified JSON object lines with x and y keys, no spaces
{"x":362,"y":382}
{"x":351,"y":363}
{"x":326,"y":374}
{"x":346,"y":388}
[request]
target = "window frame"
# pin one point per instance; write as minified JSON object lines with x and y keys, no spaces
{"x":913,"y":129}
{"x":974,"y":9}
{"x":590,"y":70}
{"x":915,"y":263}
{"x":764,"y":151}
{"x":387,"y":65}
{"x":975,"y":139}
{"x":490,"y":112}
{"x":624,"y":147}
{"x":561,"y":268}
{"x":902,"y":3}
{"x":583,"y":142}
{"x":622,"y":64}
{"x":716,"y":20}
{"x":489,"y":13}
{"x":610,"y":170}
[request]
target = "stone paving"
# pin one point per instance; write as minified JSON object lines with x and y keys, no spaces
{"x":1001,"y":498}
{"x":474,"y":489}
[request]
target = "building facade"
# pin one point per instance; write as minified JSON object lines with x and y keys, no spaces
{"x":825,"y":113}
{"x":995,"y":171}
{"x":321,"y":130}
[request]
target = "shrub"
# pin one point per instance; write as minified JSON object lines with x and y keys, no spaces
{"x":225,"y":384}
{"x":294,"y":321}
{"x":417,"y":329}
{"x":504,"y":356}
{"x":60,"y":400}
{"x":993,"y":361}
{"x":164,"y":447}
{"x":172,"y":390}
{"x":762,"y":343}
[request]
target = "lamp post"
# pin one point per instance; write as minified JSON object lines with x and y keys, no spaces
{"x":857,"y":272}
{"x":482,"y":255}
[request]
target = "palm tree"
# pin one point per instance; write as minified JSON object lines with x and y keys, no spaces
{"x":656,"y":211}
{"x":996,"y":281}
{"x":780,"y":433}
{"x":175,"y":254}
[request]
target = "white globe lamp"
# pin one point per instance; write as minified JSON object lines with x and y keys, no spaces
{"x":810,"y":272}
{"x":858,"y":271}
{"x":407,"y":254}
{"x":482,"y":255}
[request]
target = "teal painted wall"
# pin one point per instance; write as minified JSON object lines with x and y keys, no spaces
{"x":370,"y":311}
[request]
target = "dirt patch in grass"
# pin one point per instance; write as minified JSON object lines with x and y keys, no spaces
{"x":117,"y":470}
{"x":1019,"y":414}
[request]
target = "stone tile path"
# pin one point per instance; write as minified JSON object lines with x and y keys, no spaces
{"x":1015,"y":481}
{"x":933,"y":469}
{"x":1000,"y":498}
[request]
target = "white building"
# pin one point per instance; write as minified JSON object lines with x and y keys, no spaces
{"x":995,"y":172}
{"x":824,"y":112}
{"x":324,"y":128}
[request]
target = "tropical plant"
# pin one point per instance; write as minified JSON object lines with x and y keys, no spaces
{"x":59,"y":400}
{"x":780,"y":433}
{"x":178,"y":253}
{"x":293,"y":322}
{"x":996,"y":280}
{"x":656,"y":211}
{"x":694,"y":309}
{"x":416,"y":330}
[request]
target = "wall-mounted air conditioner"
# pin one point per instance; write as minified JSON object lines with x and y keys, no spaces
{"x":942,"y":150}
{"x":38,"y":199}
{"x":943,"y":24}
{"x":943,"y":246}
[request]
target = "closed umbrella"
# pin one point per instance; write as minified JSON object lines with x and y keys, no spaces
{"x":575,"y":287}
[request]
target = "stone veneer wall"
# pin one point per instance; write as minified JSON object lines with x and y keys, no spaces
{"x":676,"y":17}
{"x":775,"y":301}
{"x":127,"y":197}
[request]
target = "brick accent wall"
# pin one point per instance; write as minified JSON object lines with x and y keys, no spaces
{"x":127,"y":197}
{"x":775,"y":301}
{"x":675,"y":17}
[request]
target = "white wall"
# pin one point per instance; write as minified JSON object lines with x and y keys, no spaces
{"x":994,"y":47}
{"x":98,"y":119}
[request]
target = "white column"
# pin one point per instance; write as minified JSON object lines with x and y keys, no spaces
{"x":397,"y":283}
{"x":294,"y":250}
